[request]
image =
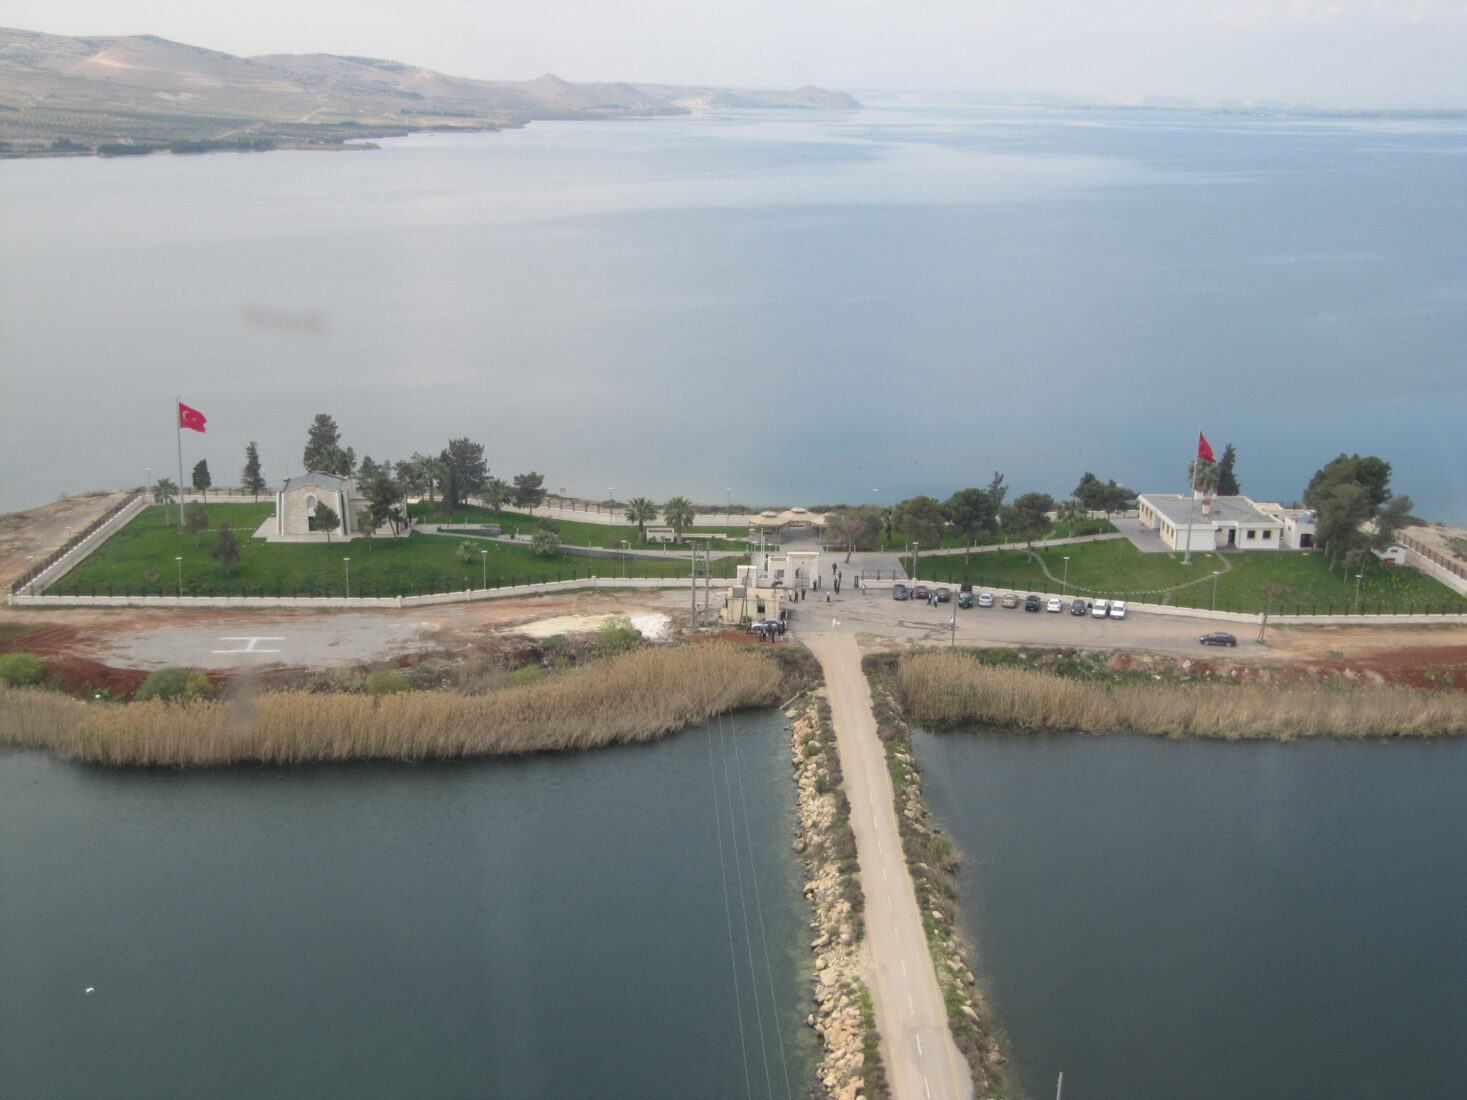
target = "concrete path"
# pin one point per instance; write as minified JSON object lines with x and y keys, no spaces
{"x":922,"y":1061}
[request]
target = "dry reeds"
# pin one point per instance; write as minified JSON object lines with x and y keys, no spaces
{"x":636,"y":697}
{"x":942,"y":689}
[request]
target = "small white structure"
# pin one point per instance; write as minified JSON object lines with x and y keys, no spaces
{"x":1204,"y":523}
{"x":295,"y":505}
{"x":1395,"y":554}
{"x":749,"y":601}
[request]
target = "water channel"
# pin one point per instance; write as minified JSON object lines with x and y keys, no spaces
{"x":578,"y":925}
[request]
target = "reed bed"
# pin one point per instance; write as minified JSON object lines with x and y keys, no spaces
{"x":945,"y":689}
{"x":639,"y":696}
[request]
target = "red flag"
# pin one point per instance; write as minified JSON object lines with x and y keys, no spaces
{"x":192,"y":418}
{"x":1204,"y":449}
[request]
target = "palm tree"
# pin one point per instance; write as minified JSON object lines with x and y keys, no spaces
{"x":1202,"y":475}
{"x":641,"y":511}
{"x":886,"y":525}
{"x":1072,"y":512}
{"x":677,"y":513}
{"x":495,"y":493}
{"x":165,"y":493}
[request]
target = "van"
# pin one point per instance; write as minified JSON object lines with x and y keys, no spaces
{"x":1100,"y":609}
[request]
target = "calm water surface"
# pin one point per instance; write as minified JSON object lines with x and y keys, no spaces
{"x":1209,"y":920}
{"x":549,"y":926}
{"x":911,"y":297}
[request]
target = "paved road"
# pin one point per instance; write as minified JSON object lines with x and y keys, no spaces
{"x":923,"y":1062}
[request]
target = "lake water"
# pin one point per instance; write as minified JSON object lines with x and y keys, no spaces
{"x":1165,"y":919}
{"x":777,"y":307}
{"x":547,"y":926}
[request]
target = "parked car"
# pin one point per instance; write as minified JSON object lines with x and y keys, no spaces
{"x":944,"y":595}
{"x":1031,"y":602}
{"x":1010,"y":600}
{"x":965,"y":599}
{"x":1055,"y":604}
{"x":1118,"y":609}
{"x":1100,"y":609}
{"x":985,"y":599}
{"x":1078,"y":607}
{"x":968,"y":588}
{"x":1218,"y":637}
{"x":921,"y":592}
{"x":899,"y":591}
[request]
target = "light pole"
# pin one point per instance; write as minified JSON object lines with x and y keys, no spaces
{"x":623,"y":559}
{"x":179,"y":562}
{"x":1358,"y":577}
{"x":1065,"y":584}
{"x":30,"y":574}
{"x":727,"y":505}
{"x":915,"y":545}
{"x":1215,"y":574}
{"x":611,"y":492}
{"x":346,"y":564}
{"x":484,"y":559}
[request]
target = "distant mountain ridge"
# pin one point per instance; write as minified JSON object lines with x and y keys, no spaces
{"x":65,"y":95}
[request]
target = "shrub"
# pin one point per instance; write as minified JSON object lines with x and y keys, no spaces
{"x":197,"y":686}
{"x":386,"y":682}
{"x":617,"y":635}
{"x":21,"y":669}
{"x":165,"y":683}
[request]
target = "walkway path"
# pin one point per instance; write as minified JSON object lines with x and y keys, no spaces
{"x":923,"y":1061}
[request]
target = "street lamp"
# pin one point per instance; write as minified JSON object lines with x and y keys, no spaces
{"x":1358,"y":577}
{"x":1215,"y":574}
{"x":1065,"y":584}
{"x":484,"y":559}
{"x":915,"y":545}
{"x":727,"y":505}
{"x":611,"y":492}
{"x":623,"y":559}
{"x":179,"y":562}
{"x":346,"y":564}
{"x":30,"y":572}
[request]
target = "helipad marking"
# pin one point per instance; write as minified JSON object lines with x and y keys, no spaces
{"x":251,"y":647}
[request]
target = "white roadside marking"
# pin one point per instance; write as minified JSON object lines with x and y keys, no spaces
{"x":926,"y":1087}
{"x":252,"y":647}
{"x":919,"y":1043}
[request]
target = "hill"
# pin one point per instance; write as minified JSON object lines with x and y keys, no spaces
{"x":117,"y":95}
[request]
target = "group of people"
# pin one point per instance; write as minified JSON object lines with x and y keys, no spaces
{"x":768,"y":630}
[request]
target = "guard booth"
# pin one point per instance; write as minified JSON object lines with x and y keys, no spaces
{"x":750,"y":602}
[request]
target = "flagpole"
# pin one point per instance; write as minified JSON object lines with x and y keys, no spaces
{"x":178,"y":431}
{"x":1191,"y":500}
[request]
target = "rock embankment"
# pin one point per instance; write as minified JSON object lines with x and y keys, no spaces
{"x":850,"y":1064}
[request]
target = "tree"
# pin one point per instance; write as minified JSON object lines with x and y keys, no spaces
{"x":435,"y":473}
{"x":1370,"y":473}
{"x":546,"y":539}
{"x":921,"y":518}
{"x":1072,"y":512}
{"x":971,"y":514}
{"x":529,"y":490}
{"x":1202,"y":475}
{"x":466,"y":459}
{"x":1227,"y":481}
{"x":1089,"y":491}
{"x":450,"y":489}
{"x":1392,"y":518}
{"x":201,"y":477}
{"x":412,"y":475}
{"x":367,"y":470}
{"x":1350,"y":494}
{"x":252,"y":478}
{"x":226,"y":550}
{"x":496,"y":493}
{"x":165,"y":493}
{"x":886,"y":521}
{"x":333,"y":460}
{"x":322,"y":436}
{"x":195,"y":519}
{"x":854,"y":527}
{"x":384,"y":503}
{"x":324,"y":519}
{"x":1343,"y":513}
{"x":1115,"y":498}
{"x":677,"y":513}
{"x":1102,"y":496}
{"x":996,"y":491}
{"x":641,"y":511}
{"x":1028,"y":517}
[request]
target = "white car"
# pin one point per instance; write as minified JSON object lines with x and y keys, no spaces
{"x":1100,"y":609}
{"x":1118,"y":609}
{"x":985,"y":599}
{"x":1055,"y":604}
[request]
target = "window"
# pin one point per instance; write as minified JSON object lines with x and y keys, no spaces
{"x":1252,"y":534}
{"x":1267,"y":535}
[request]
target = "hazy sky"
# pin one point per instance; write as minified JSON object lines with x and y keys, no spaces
{"x":1359,"y":52}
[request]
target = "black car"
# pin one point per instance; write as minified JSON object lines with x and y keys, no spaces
{"x":899,"y":591}
{"x":944,"y":595}
{"x":965,"y":599}
{"x":1218,"y":637}
{"x":1032,"y":603}
{"x":1078,"y":608}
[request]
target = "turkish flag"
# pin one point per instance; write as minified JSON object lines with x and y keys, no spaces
{"x":1204,"y":449}
{"x":190,"y":418}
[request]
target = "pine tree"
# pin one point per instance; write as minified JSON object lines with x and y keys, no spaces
{"x":201,"y":477}
{"x":252,"y":478}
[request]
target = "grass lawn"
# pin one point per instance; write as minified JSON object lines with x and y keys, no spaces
{"x":139,"y":559}
{"x":572,"y":532}
{"x":950,"y":541}
{"x":1116,"y":569}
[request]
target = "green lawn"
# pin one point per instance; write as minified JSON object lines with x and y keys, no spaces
{"x":139,"y":559}
{"x":1116,"y":569}
{"x":900,"y":540}
{"x":572,"y":532}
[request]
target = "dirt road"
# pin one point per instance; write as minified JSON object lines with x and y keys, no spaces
{"x":917,"y":1046}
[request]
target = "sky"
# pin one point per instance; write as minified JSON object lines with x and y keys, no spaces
{"x":1357,"y":53}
